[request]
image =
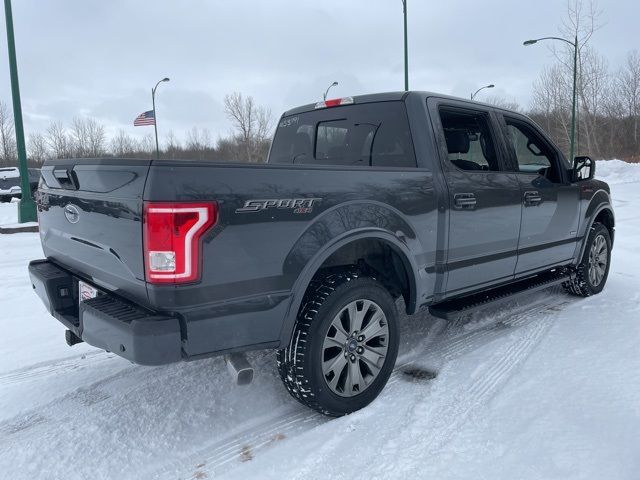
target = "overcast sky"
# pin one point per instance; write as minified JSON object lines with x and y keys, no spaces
{"x":101,"y":58}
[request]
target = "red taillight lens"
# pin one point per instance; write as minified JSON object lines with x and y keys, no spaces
{"x":334,"y":102}
{"x":172,"y":233}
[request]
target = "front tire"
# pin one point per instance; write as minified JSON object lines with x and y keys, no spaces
{"x":593,"y":270}
{"x":344,"y":344}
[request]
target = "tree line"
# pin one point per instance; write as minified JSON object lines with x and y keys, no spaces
{"x":85,"y":137}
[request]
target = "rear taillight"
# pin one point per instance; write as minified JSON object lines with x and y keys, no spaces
{"x":172,"y":234}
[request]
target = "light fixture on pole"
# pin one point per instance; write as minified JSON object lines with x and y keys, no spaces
{"x":473,"y":95}
{"x":334,"y":84}
{"x":574,"y":44}
{"x":155,"y":118}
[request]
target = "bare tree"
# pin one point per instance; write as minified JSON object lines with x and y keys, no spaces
{"x":37,"y":148}
{"x":592,"y":90}
{"x":498,"y":101}
{"x":58,"y":141}
{"x":628,"y":87}
{"x":553,"y":92}
{"x":122,"y":145}
{"x":173,"y":146}
{"x":198,"y":143}
{"x":147,"y":144}
{"x":252,"y":124}
{"x":96,"y":137}
{"x":87,"y":137}
{"x":8,"y":149}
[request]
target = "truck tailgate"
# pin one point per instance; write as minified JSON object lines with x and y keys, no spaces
{"x":90,"y":214}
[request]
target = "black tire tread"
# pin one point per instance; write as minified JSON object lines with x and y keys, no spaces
{"x":578,"y":284}
{"x":290,"y":358}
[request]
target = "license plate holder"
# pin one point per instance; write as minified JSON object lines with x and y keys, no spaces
{"x":86,"y":292}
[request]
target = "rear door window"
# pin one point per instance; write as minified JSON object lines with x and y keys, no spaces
{"x":373,"y":134}
{"x":469,"y":141}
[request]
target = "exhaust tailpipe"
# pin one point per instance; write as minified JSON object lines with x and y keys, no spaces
{"x":239,"y":368}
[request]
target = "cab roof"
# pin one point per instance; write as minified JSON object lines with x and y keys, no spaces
{"x":386,"y":97}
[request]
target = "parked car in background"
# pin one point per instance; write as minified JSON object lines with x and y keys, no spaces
{"x":9,"y":184}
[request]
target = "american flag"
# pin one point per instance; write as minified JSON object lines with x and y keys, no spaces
{"x":145,"y":118}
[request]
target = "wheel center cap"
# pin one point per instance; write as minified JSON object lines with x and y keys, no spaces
{"x":352,"y":345}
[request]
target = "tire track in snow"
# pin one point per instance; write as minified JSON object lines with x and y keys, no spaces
{"x":453,"y":410}
{"x":39,"y":370}
{"x":448,"y":345}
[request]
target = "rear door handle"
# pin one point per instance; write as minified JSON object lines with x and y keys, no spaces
{"x":464,"y":201}
{"x":532,"y":198}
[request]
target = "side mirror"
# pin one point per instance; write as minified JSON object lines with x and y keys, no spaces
{"x":584,"y":168}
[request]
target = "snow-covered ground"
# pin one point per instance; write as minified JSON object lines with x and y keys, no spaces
{"x":545,"y":388}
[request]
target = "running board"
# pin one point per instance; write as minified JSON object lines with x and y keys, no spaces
{"x":451,"y":309}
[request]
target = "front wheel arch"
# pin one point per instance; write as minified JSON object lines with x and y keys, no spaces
{"x":604,"y":215}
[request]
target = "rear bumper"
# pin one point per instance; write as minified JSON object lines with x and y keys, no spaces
{"x":107,"y":321}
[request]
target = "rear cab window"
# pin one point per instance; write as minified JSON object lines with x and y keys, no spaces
{"x":367,"y":135}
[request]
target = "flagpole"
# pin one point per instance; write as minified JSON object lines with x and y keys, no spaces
{"x":155,"y":118}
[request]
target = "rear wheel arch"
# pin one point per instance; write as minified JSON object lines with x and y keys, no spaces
{"x":400,"y":252}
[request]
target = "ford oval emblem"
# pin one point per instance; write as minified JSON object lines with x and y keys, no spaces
{"x":72,"y":213}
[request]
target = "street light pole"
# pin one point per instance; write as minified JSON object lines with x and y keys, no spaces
{"x":155,"y":118}
{"x":26,"y":207}
{"x":334,"y":84}
{"x":481,"y":88}
{"x":406,"y":48}
{"x":573,"y":113}
{"x":574,"y":44}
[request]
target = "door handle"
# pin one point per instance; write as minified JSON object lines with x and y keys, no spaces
{"x":532,"y":198}
{"x":464,"y":201}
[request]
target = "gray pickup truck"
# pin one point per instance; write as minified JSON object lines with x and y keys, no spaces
{"x":451,"y":204}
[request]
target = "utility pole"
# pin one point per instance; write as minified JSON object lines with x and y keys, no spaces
{"x":406,"y":48}
{"x":26,"y":207}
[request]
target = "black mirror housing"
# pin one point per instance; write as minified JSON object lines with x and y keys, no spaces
{"x":584,"y":168}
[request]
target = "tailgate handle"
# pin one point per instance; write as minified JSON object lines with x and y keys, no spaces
{"x":67,"y":179}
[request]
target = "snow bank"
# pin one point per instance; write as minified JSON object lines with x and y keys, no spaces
{"x":617,"y":171}
{"x":8,"y":213}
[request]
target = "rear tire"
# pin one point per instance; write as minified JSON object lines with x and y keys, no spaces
{"x":593,"y":270}
{"x":344,"y":344}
